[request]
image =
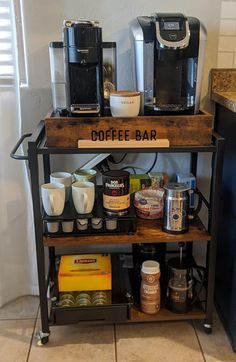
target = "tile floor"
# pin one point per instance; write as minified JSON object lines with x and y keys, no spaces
{"x":147,"y":342}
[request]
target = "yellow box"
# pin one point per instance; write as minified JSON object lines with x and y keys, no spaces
{"x":84,"y":272}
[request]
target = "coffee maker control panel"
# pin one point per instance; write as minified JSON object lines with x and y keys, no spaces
{"x":172,"y":31}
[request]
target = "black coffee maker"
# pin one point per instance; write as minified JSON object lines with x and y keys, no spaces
{"x":83,"y":65}
{"x":168,"y":56}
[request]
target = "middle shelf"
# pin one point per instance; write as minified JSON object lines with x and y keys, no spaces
{"x":148,"y":231}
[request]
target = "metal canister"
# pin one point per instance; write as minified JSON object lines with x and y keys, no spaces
{"x":116,"y":197}
{"x":176,"y":208}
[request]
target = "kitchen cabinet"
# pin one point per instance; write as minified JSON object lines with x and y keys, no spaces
{"x":225,"y":289}
{"x":122,"y":309}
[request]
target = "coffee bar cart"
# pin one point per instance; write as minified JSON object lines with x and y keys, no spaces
{"x":51,"y":138}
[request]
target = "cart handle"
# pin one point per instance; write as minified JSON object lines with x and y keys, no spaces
{"x":13,"y":152}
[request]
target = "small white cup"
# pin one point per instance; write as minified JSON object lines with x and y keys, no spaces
{"x":83,"y":195}
{"x":53,"y":198}
{"x":64,"y":178}
{"x":124,"y":103}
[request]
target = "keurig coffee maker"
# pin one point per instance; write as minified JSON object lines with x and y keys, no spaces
{"x":83,"y":64}
{"x":168,"y":56}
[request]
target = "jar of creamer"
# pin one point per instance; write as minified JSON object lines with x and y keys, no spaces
{"x":116,"y":197}
{"x":150,"y":293}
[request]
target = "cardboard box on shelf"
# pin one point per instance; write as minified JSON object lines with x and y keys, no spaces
{"x":85,"y":272}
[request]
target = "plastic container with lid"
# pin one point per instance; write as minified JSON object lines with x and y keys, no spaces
{"x":150,"y":292}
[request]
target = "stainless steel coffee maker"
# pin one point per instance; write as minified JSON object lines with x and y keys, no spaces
{"x":168,"y":53}
{"x":176,"y":212}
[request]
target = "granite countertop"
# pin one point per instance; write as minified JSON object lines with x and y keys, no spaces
{"x":223,"y":87}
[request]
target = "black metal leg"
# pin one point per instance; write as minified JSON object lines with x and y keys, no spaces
{"x":216,"y":181}
{"x":38,"y":224}
{"x":46,"y":167}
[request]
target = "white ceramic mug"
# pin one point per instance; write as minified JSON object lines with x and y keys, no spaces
{"x":64,"y":178}
{"x":53,"y":198}
{"x":85,"y":175}
{"x":83,"y":195}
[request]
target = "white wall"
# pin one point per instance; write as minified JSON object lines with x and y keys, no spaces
{"x":227,"y":39}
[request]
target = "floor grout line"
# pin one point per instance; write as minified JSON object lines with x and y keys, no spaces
{"x":116,"y":358}
{"x":199,"y":343}
{"x":33,"y":334}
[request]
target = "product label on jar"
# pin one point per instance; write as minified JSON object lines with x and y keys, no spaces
{"x":150,"y":289}
{"x":116,"y":203}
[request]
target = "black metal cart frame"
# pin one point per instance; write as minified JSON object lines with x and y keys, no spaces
{"x":36,"y":148}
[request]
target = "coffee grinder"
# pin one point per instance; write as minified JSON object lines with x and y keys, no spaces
{"x":83,"y":66}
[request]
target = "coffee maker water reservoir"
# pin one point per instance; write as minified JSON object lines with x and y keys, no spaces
{"x":168,"y":56}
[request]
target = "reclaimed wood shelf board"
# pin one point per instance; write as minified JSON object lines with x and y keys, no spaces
{"x":165,"y":315}
{"x":148,"y":231}
{"x":179,"y":130}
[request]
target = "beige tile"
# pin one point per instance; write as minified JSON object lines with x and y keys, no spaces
{"x":76,"y":342}
{"x":20,"y":308}
{"x":216,"y":346}
{"x":15,"y":338}
{"x":162,"y":342}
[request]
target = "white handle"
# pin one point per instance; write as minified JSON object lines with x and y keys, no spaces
{"x":51,"y":198}
{"x":85,"y":202}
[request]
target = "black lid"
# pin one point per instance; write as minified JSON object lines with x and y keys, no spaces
{"x":175,"y":263}
{"x":109,"y":44}
{"x":55,"y":44}
{"x":117,"y":173}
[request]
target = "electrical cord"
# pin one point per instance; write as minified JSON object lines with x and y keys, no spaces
{"x":154,"y":163}
{"x":112,"y":160}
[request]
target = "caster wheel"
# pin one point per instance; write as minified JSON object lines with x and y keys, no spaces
{"x":42,"y":338}
{"x":42,"y":341}
{"x":207,"y":328}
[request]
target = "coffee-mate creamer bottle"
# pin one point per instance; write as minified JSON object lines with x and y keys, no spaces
{"x":150,"y":292}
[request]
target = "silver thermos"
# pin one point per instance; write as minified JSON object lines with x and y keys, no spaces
{"x":176,"y":208}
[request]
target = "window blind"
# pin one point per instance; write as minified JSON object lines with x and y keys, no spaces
{"x":7,"y":69}
{"x":12,"y":49}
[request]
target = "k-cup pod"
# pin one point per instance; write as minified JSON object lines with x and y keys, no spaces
{"x":52,"y":227}
{"x":96,"y":223}
{"x":111,"y":224}
{"x":67,"y":226}
{"x":82,"y":224}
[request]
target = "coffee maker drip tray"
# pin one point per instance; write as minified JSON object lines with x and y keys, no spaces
{"x":154,"y":109}
{"x":80,"y":109}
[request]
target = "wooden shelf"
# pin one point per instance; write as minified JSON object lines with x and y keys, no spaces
{"x":165,"y":315}
{"x":148,"y":231}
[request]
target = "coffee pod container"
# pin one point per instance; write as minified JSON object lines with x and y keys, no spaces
{"x":116,"y":197}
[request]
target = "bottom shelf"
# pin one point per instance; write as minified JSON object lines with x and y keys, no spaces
{"x":121,"y":307}
{"x":165,"y":315}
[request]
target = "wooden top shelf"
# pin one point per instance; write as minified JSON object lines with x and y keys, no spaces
{"x":148,"y":231}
